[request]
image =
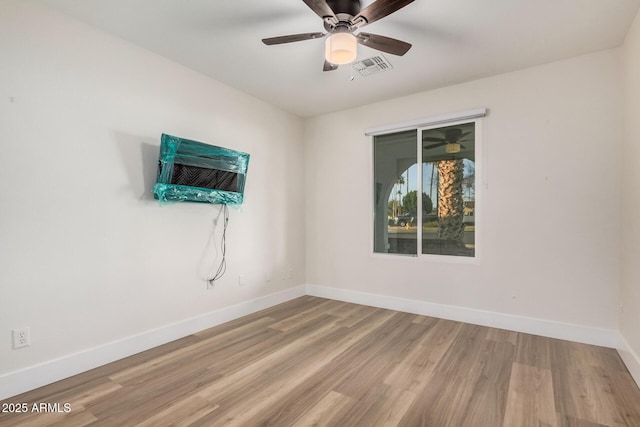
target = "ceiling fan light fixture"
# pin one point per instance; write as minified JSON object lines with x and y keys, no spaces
{"x":341,"y":48}
{"x":452,"y":148}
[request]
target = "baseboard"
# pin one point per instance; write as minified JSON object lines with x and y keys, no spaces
{"x":547,"y":328}
{"x":630,"y":358}
{"x":14,"y":383}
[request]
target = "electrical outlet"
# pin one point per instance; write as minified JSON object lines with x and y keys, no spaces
{"x":21,"y":338}
{"x":290,"y":274}
{"x":241,"y":280}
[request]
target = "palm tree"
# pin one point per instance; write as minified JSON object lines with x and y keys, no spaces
{"x":450,"y":200}
{"x":399,"y":183}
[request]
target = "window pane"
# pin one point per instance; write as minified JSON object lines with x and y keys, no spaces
{"x":395,"y":178}
{"x":448,"y":185}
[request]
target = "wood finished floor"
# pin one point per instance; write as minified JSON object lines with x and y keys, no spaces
{"x":319,"y":362}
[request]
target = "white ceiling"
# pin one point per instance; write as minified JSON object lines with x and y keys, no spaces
{"x":453,"y":41}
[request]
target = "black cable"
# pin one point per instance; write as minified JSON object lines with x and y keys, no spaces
{"x":222,"y":268}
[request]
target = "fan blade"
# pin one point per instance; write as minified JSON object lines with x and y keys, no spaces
{"x":328,"y":66}
{"x":385,"y":44}
{"x":435,"y":145}
{"x":380,"y":9}
{"x":292,"y":38}
{"x":321,"y":8}
{"x":433,"y":139}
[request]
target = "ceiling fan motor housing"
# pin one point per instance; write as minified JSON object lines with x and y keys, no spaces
{"x":452,"y":135}
{"x":345,"y":11}
{"x":347,"y":7}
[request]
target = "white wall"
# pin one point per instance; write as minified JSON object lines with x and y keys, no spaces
{"x":630,"y":201}
{"x":549,"y":229}
{"x":87,"y":256}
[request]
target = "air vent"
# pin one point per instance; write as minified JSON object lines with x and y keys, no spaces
{"x":374,"y":65}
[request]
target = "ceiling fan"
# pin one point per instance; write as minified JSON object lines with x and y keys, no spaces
{"x":452,"y":139}
{"x":341,"y":19}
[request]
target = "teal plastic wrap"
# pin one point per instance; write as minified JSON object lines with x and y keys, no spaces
{"x":191,"y":171}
